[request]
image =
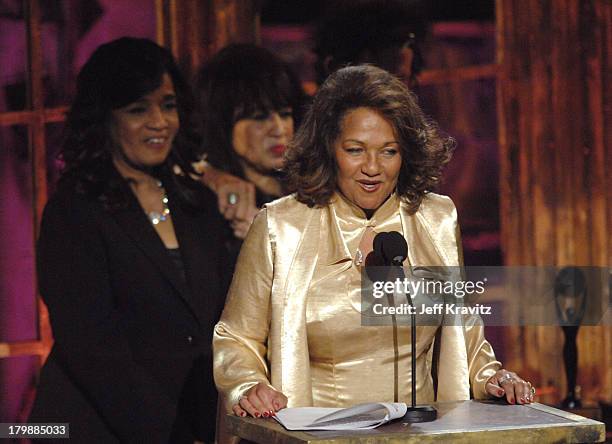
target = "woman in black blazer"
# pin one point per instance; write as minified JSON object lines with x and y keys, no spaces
{"x":131,"y":262}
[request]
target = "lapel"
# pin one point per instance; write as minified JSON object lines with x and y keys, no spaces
{"x":136,"y":225}
{"x":195,"y":237}
{"x":422,"y":249}
{"x":432,"y":237}
{"x":296,"y":233}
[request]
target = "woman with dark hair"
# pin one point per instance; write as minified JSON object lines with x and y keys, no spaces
{"x":130,"y":259}
{"x":250,"y":102}
{"x":364,"y":161}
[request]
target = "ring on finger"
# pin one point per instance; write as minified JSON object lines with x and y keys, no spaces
{"x":532,"y":389}
{"x":232,"y":198}
{"x":506,"y":377}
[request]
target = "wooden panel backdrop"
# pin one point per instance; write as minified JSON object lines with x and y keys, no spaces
{"x":196,"y":29}
{"x":556,"y":190}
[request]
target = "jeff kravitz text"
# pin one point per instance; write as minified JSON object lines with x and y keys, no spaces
{"x":435,"y":309}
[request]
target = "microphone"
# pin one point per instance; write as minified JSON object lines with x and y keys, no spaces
{"x":377,"y":244}
{"x":392,"y":249}
{"x":389,"y":250}
{"x":375,"y":261}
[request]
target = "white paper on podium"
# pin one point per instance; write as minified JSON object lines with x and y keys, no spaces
{"x":362,"y":416}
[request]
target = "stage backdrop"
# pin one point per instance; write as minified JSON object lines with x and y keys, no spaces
{"x":556,"y":153}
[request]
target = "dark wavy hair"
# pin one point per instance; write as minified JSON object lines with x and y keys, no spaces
{"x":239,"y":81}
{"x":311,"y":168}
{"x":118,"y":73}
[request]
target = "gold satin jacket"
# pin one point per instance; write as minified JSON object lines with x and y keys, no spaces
{"x":262,"y":337}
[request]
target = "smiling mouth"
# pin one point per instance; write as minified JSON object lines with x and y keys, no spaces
{"x":370,"y":186}
{"x":156,"y":141}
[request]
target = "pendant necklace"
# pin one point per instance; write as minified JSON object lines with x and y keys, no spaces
{"x":358,"y":260}
{"x":155,"y":216}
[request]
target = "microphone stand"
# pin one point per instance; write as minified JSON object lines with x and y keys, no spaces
{"x":414,"y":413}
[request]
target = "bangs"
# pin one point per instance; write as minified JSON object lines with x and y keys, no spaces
{"x":243,"y":80}
{"x":132,"y":87}
{"x":267,"y":93}
{"x":123,"y":71}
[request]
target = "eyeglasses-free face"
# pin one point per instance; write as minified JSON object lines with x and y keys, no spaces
{"x":261,"y":139}
{"x":145,"y":129}
{"x":368,"y":158}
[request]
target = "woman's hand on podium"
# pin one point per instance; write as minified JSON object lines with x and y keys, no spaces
{"x":515,"y":389}
{"x":261,"y":400}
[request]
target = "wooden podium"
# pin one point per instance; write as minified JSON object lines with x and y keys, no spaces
{"x":464,"y":421}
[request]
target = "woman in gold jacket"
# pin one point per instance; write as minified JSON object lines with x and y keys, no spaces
{"x":364,"y":161}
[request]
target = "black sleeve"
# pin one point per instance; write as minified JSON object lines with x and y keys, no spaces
{"x":89,"y":329}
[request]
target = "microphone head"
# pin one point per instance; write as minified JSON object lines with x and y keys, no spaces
{"x":394,"y":248}
{"x":378,"y":244}
{"x":375,"y":267}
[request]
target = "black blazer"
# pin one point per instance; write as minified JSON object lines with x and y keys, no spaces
{"x":129,"y":331}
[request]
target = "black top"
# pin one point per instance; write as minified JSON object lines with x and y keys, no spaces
{"x":130,"y":331}
{"x":177,"y":260}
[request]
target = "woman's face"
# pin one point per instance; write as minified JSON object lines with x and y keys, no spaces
{"x":145,"y":129}
{"x":261,"y":140}
{"x":368,"y":158}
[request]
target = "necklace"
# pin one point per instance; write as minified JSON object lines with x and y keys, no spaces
{"x":358,"y":257}
{"x":155,"y":216}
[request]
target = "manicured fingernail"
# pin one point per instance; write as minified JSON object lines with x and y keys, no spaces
{"x":500,"y":392}
{"x":272,"y":413}
{"x":265,"y":414}
{"x":256,"y":415}
{"x":522,"y":399}
{"x":243,"y":414}
{"x":511,"y":400}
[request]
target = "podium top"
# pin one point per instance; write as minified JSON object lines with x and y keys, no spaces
{"x":465,"y":421}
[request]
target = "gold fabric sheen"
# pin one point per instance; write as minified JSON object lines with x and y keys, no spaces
{"x":292,"y":318}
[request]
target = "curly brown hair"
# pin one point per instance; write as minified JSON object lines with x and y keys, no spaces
{"x":311,"y":164}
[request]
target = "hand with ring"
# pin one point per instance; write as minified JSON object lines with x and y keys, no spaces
{"x":510,"y":385}
{"x":236,"y":199}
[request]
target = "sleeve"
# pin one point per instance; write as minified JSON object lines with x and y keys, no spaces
{"x":482,"y":363}
{"x":240,"y":337}
{"x":91,"y":344}
{"x":481,"y":358}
